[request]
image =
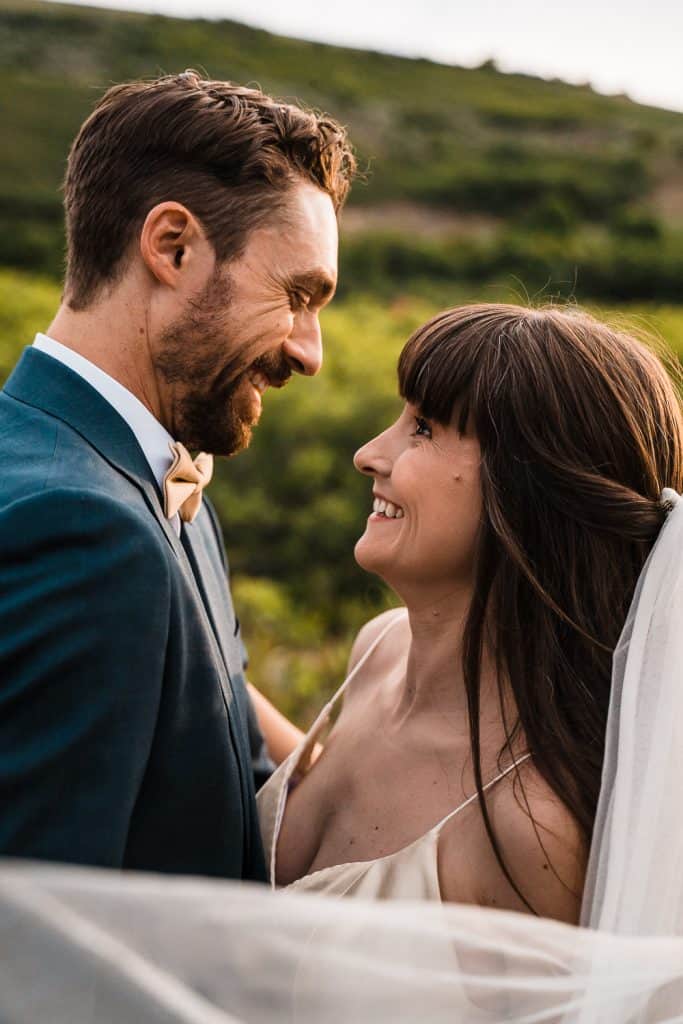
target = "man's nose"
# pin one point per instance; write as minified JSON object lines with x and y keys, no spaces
{"x":303,"y":349}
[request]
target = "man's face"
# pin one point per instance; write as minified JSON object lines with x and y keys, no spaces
{"x":254,"y":323}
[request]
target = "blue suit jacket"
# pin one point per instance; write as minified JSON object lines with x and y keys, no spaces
{"x":124,"y":720}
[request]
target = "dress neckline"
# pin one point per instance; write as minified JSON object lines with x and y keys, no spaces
{"x":305,"y":747}
{"x":425,"y":836}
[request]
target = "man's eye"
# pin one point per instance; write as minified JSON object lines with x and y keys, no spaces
{"x":422,"y":428}
{"x":299,"y":300}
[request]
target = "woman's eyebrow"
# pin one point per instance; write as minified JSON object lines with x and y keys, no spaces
{"x":318,"y":283}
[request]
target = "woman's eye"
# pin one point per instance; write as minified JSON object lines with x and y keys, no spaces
{"x":422,"y":428}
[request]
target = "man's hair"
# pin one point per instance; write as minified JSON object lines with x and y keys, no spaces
{"x":228,"y":153}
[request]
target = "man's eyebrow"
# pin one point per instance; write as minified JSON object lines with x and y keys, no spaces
{"x":318,"y":283}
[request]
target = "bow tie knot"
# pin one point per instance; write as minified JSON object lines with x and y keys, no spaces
{"x":185,"y":481}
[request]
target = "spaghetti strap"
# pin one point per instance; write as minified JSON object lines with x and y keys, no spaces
{"x":302,"y":753}
{"x":515,"y":764}
{"x":354,"y":671}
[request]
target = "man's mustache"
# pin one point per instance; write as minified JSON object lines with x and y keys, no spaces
{"x":274,"y":367}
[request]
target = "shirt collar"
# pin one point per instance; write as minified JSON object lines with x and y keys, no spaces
{"x":152,"y":437}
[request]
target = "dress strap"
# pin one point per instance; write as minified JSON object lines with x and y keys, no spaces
{"x":475,"y":796}
{"x":325,"y":713}
{"x":301,"y":754}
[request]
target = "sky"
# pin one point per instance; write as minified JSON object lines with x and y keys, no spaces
{"x":628,"y":46}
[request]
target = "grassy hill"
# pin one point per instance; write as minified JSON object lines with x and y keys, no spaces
{"x":472,"y":175}
{"x":479,"y":186}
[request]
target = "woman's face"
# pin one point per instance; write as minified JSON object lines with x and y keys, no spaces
{"x":421,"y":534}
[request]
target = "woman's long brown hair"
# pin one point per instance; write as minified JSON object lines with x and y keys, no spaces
{"x":580,"y":428}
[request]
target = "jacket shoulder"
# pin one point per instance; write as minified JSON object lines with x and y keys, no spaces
{"x":83,"y":517}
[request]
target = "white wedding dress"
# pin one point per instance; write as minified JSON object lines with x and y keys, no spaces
{"x":410,"y":873}
{"x":78,"y":946}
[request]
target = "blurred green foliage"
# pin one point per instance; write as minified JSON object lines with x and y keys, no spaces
{"x":477,"y":186}
{"x":572,"y":181}
{"x":636,"y":260}
{"x":292,"y":506}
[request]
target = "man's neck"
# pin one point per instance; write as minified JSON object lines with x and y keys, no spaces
{"x":114,"y":339}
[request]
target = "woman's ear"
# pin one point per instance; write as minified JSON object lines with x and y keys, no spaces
{"x":171,"y":241}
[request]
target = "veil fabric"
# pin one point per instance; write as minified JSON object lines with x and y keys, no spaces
{"x":79,"y":946}
{"x":634,"y":883}
{"x":95,"y":947}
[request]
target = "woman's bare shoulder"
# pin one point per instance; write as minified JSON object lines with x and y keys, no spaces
{"x":542,"y":846}
{"x":372,"y":630}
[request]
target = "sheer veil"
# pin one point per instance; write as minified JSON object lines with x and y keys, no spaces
{"x":635,"y":873}
{"x":84,"y":945}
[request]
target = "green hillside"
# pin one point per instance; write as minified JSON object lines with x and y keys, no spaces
{"x":472,"y":175}
{"x":478,"y":186}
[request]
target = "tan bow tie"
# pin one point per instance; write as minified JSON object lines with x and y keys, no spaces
{"x":185,"y":481}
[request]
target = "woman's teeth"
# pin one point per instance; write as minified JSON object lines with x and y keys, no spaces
{"x":387,"y":508}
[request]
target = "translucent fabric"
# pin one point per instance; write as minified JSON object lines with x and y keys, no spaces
{"x":84,"y":946}
{"x":635,"y":874}
{"x":98,"y":947}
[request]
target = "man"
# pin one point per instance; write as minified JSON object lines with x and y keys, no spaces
{"x":202,"y":245}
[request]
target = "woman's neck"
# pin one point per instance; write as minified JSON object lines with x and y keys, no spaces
{"x":434,"y":683}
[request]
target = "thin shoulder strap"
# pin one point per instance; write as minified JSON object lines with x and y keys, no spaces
{"x":302,"y":753}
{"x":475,"y":796}
{"x":356,"y":668}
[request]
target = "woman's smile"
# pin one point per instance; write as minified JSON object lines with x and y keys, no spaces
{"x":384,"y":509}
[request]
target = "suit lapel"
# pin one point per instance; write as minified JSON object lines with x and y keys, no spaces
{"x":45,"y":383}
{"x":198,"y":542}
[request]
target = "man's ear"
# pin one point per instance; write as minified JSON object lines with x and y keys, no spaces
{"x":171,"y":243}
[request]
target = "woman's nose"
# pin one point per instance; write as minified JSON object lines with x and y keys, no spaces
{"x":371,"y":460}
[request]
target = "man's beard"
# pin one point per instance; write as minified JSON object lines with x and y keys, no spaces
{"x":213,"y":411}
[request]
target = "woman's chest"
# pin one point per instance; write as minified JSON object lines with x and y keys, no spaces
{"x":363,"y":801}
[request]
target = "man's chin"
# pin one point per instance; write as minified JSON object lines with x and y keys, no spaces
{"x":239,"y":445}
{"x":246,"y":409}
{"x":221,"y":426}
{"x":236,"y":440}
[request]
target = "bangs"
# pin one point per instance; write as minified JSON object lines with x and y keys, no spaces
{"x":437,"y":370}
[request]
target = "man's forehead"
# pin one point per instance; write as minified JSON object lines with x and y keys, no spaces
{"x":309,"y":214}
{"x":307,"y":201}
{"x":303,"y":239}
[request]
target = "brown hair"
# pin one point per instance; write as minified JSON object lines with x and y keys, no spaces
{"x":580,"y":429}
{"x":227,"y":152}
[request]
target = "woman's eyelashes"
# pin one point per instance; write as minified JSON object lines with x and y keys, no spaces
{"x":422,"y":428}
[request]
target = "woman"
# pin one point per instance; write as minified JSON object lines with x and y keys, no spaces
{"x":516,"y":500}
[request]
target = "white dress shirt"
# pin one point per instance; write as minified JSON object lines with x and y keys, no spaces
{"x":152,"y":437}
